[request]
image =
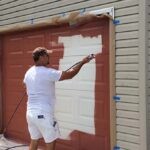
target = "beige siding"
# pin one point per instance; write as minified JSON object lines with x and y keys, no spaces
{"x":23,"y":11}
{"x":127,"y":52}
{"x":148,"y":47}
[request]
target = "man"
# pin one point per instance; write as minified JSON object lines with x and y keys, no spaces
{"x":40,"y":85}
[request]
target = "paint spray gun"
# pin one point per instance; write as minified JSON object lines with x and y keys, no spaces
{"x":91,"y":56}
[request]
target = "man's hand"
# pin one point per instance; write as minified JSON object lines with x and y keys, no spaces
{"x":88,"y":58}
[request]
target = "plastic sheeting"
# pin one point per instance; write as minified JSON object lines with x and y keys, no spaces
{"x":6,"y":144}
{"x":73,"y":19}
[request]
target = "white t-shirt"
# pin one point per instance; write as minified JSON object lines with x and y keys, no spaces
{"x":40,"y":84}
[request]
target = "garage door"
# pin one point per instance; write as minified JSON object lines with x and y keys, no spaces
{"x":82,"y":106}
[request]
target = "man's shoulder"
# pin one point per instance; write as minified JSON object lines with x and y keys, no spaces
{"x":30,"y":70}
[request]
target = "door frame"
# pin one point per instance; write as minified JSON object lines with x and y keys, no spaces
{"x":1,"y":103}
{"x":113,"y":137}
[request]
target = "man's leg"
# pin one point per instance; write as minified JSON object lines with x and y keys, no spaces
{"x":50,"y":146}
{"x":33,"y":145}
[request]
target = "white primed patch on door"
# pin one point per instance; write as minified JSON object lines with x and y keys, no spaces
{"x":76,"y":97}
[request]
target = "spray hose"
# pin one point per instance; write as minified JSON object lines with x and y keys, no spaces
{"x":14,"y":113}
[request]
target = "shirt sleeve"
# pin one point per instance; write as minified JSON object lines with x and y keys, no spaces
{"x":54,"y":75}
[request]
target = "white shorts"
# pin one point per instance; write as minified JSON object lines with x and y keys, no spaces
{"x":42,"y":125}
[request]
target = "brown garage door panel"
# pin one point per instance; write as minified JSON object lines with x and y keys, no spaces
{"x":17,"y":59}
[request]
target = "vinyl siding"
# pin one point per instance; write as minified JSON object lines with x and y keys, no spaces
{"x":127,"y":74}
{"x":148,"y":69}
{"x":127,"y":51}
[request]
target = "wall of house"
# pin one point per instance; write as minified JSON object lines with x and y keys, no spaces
{"x":148,"y":69}
{"x":127,"y":51}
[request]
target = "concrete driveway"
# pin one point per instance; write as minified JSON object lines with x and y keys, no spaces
{"x":6,"y":144}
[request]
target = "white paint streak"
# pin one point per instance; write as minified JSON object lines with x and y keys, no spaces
{"x":76,"y":98}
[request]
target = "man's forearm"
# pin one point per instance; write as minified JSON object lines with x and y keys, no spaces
{"x":74,"y":70}
{"x":70,"y":73}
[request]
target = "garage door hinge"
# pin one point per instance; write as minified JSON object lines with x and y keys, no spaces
{"x":116,"y":98}
{"x":116,"y":148}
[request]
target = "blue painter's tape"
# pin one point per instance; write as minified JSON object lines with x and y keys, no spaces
{"x":116,"y":22}
{"x":116,"y":98}
{"x":116,"y":148}
{"x":32,"y":21}
{"x":82,"y":11}
{"x":63,"y":14}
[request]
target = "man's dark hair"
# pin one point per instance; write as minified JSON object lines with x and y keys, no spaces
{"x":39,"y":51}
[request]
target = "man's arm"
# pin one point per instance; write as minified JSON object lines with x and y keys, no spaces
{"x":69,"y":74}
